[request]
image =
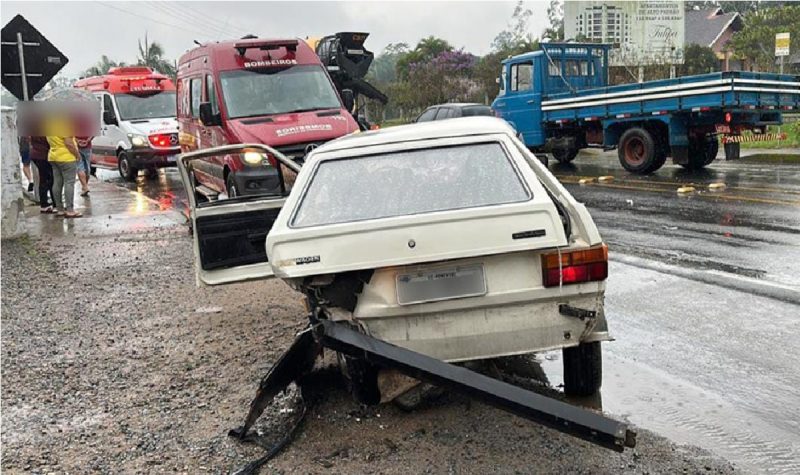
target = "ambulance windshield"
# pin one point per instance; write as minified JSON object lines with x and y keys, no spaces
{"x":139,"y":107}
{"x":270,"y":91}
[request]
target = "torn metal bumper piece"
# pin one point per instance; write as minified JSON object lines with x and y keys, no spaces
{"x":550,"y":412}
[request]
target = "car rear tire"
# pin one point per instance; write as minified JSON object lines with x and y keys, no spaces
{"x":637,"y":151}
{"x":583,"y":369}
{"x":701,"y":153}
{"x":127,"y":171}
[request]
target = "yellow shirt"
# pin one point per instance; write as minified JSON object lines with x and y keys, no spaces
{"x":58,"y":151}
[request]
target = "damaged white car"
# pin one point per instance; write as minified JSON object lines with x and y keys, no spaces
{"x":447,"y":238}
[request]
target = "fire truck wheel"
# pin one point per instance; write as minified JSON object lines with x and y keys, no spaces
{"x":126,"y":170}
{"x":637,"y":151}
{"x":583,"y":369}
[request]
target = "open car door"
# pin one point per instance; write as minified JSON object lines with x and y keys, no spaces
{"x":230,"y":233}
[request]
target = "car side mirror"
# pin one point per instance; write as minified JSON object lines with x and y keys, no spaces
{"x":207,"y":116}
{"x":348,"y":99}
{"x":109,"y":118}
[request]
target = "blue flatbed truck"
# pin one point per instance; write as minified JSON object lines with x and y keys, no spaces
{"x":559,"y":101}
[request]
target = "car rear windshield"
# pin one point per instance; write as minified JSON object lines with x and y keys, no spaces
{"x":137,"y":107}
{"x":409,"y":183}
{"x":250,"y":93}
{"x":477,"y":110}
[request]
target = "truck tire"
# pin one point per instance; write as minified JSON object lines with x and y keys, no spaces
{"x":127,"y":171}
{"x":637,"y":151}
{"x":583,"y":369}
{"x":732,"y":151}
{"x":701,"y":153}
{"x":565,"y":155}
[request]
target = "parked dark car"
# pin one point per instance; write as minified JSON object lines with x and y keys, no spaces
{"x":454,"y":110}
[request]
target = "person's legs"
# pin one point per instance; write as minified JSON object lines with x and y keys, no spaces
{"x":26,"y":169}
{"x":58,"y":186}
{"x":69,"y":172}
{"x":83,"y":171}
{"x":45,"y":183}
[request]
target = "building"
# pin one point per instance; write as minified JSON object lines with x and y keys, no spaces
{"x":603,"y":24}
{"x":714,"y":28}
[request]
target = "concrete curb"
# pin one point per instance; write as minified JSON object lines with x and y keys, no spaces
{"x":714,"y":277}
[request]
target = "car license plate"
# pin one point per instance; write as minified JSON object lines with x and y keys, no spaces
{"x":441,"y":284}
{"x":172,"y":158}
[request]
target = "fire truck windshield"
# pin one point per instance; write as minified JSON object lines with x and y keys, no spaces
{"x":270,"y":91}
{"x":137,"y":107}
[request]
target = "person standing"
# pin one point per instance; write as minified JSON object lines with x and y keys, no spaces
{"x":63,"y":157}
{"x":84,"y":164}
{"x":24,"y":153}
{"x":38,"y":155}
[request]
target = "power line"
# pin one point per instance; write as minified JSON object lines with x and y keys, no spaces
{"x":152,"y":19}
{"x":192,"y":18}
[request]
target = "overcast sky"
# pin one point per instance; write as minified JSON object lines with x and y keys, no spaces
{"x":85,"y":30}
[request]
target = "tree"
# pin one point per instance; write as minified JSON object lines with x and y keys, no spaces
{"x":427,"y":49}
{"x":102,"y":66}
{"x":444,"y":78}
{"x":698,"y":59}
{"x":756,"y":42}
{"x":515,"y":39}
{"x":555,"y":15}
{"x":151,"y":55}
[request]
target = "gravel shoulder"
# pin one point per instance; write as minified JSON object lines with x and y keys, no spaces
{"x":114,"y":362}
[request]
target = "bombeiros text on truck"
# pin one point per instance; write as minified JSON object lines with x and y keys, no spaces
{"x":559,"y":101}
{"x":138,"y":126}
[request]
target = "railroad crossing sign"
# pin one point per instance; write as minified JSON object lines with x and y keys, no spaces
{"x":29,"y":61}
{"x":782,"y":41}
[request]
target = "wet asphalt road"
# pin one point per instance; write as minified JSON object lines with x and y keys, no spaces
{"x":703,"y":298}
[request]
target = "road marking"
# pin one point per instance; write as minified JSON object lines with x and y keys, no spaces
{"x":717,"y":186}
{"x":686,"y":189}
{"x":565,"y":178}
{"x":605,"y":178}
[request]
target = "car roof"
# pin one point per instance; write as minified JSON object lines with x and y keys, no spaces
{"x":479,"y":125}
{"x":459,"y":104}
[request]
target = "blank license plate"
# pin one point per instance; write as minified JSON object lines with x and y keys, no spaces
{"x":441,"y":284}
{"x":172,"y":158}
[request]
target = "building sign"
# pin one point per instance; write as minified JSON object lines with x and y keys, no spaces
{"x":647,"y":32}
{"x":782,"y":44}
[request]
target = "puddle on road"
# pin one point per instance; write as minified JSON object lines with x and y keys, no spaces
{"x":686,"y":414}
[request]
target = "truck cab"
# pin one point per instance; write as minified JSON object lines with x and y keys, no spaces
{"x":138,"y":127}
{"x":274,"y":92}
{"x":527,"y":79}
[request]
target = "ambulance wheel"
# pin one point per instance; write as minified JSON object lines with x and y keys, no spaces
{"x":637,"y":151}
{"x":127,"y":171}
{"x":701,"y":152}
{"x":583,"y":369}
{"x":231,"y":187}
{"x":565,"y":155}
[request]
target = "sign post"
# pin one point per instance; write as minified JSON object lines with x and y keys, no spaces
{"x":29,"y":60}
{"x":782,"y":41}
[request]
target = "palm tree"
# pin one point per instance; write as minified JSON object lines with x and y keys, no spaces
{"x":151,"y":55}
{"x":102,"y":66}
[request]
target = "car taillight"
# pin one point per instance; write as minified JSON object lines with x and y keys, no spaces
{"x":160,"y":140}
{"x":728,"y":117}
{"x":574,"y":267}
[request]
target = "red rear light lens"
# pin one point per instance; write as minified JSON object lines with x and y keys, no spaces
{"x":575,"y":267}
{"x":728,"y":117}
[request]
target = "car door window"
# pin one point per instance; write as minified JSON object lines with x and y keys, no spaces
{"x":444,"y":113}
{"x":522,"y":77}
{"x":108,"y":106}
{"x":196,"y":88}
{"x":429,"y":114}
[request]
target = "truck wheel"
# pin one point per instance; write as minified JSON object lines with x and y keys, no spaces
{"x":732,"y":151}
{"x":565,"y":155}
{"x":583,"y":369}
{"x":231,"y":187}
{"x":701,"y":153}
{"x":637,"y":151}
{"x":127,"y":171}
